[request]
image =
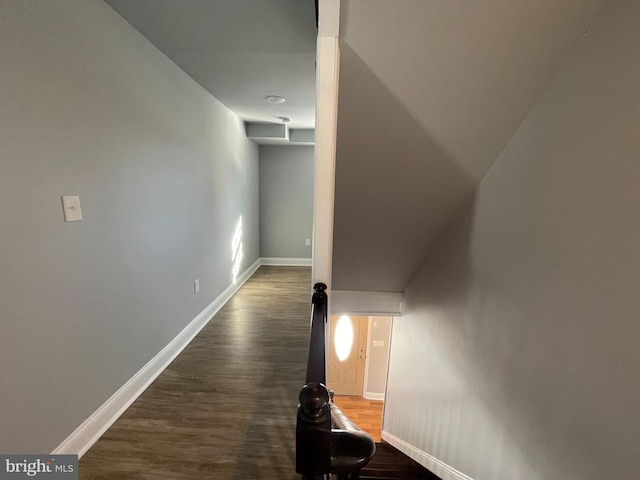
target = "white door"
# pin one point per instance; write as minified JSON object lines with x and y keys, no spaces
{"x":347,"y":354}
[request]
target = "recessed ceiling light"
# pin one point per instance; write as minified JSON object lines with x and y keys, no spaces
{"x":285,"y":119}
{"x":275,"y":99}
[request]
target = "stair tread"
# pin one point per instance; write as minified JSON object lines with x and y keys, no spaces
{"x":389,"y":463}
{"x":394,"y":475}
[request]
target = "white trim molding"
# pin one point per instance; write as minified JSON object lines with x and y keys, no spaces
{"x":88,"y":433}
{"x":441,"y":469}
{"x":373,"y":396}
{"x":286,"y":262}
{"x":366,"y":303}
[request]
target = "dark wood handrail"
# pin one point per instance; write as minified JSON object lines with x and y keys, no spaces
{"x":313,"y":426}
{"x":327,"y":441}
{"x":316,"y":361}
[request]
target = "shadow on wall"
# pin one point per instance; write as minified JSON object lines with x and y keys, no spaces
{"x":456,"y":236}
{"x":396,"y":189}
{"x":494,"y":401}
{"x":524,"y":318}
{"x":468,"y":345}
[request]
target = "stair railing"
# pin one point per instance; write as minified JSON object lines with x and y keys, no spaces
{"x":327,"y":441}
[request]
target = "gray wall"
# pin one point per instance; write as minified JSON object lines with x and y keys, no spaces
{"x":164,"y":172}
{"x":378,"y":354}
{"x":518,"y":354}
{"x":286,"y":201}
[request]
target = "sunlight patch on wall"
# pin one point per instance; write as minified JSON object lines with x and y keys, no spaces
{"x":236,"y":251}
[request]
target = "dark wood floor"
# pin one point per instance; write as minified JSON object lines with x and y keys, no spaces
{"x":226,"y":407}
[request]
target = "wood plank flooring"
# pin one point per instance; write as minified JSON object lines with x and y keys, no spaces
{"x":226,"y":407}
{"x":367,"y":414}
{"x":391,"y":464}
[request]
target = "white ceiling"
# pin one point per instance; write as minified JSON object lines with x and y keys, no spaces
{"x":239,"y":50}
{"x":430,"y":93}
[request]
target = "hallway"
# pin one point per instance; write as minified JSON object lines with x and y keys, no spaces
{"x":226,"y":407}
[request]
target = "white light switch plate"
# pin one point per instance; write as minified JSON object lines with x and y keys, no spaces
{"x":71,"y":207}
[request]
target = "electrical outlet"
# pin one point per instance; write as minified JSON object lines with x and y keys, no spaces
{"x":71,"y":208}
{"x":196,"y":285}
{"x":307,"y":242}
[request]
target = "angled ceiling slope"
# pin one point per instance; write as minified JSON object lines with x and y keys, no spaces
{"x":239,"y":50}
{"x":430,"y":93}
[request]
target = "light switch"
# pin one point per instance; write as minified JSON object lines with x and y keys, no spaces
{"x":71,"y":207}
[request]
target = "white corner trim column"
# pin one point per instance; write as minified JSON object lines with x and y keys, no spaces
{"x":326,"y":131}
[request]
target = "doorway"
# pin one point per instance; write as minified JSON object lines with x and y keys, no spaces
{"x":358,"y":360}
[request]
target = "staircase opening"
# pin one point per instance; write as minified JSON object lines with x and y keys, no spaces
{"x":329,"y":443}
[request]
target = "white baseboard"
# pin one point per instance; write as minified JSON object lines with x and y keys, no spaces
{"x":441,"y":469}
{"x":286,"y":262}
{"x":373,"y":396}
{"x":88,"y":433}
{"x":366,"y":303}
